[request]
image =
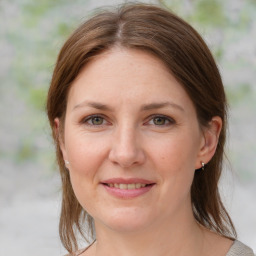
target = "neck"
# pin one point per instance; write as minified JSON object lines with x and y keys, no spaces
{"x":178,"y":236}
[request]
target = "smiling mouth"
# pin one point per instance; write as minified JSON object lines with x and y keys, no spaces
{"x":127,"y":186}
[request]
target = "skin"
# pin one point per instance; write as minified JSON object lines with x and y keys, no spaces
{"x":146,"y":127}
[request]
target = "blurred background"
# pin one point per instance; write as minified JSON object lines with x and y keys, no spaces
{"x":31,"y":34}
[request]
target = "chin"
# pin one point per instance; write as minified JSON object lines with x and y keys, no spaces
{"x":129,"y":220}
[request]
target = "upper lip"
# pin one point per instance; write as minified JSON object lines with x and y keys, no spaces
{"x":127,"y":181}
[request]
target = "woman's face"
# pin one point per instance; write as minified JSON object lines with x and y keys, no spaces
{"x":132,"y":140}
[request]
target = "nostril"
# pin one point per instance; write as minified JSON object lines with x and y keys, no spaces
{"x":126,"y":152}
{"x":124,"y":159}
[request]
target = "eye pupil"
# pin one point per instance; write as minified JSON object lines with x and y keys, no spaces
{"x":97,"y":120}
{"x":159,"y":120}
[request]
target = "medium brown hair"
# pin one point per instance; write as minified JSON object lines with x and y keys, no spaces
{"x":169,"y":38}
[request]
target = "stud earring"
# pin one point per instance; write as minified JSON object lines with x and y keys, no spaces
{"x":66,"y":162}
{"x":203,"y":164}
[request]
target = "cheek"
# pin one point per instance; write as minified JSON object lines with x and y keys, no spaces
{"x":174,"y":159}
{"x":175,"y":152}
{"x":85,"y":152}
{"x":86,"y":157}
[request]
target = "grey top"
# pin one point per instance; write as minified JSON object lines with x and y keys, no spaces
{"x":239,"y":249}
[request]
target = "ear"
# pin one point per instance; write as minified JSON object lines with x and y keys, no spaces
{"x":60,"y":137}
{"x":209,"y":142}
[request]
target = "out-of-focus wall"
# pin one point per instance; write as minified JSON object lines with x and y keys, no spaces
{"x":31,"y":34}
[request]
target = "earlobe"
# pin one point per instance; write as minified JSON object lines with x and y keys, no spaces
{"x":210,"y":141}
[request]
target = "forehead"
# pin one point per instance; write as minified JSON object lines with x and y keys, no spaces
{"x":123,"y":75}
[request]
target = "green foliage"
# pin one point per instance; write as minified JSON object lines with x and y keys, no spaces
{"x":38,"y":98}
{"x":26,"y":151}
{"x":34,"y":34}
{"x":204,"y":12}
{"x":63,"y":29}
{"x":36,"y":52}
{"x":239,"y":94}
{"x":36,"y":10}
{"x":209,"y":13}
{"x":218,"y":53}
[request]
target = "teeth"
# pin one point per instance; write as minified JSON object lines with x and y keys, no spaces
{"x":131,"y":186}
{"x":127,"y":186}
{"x":138,"y":185}
{"x":123,"y":186}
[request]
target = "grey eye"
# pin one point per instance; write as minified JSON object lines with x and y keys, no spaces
{"x":97,"y":120}
{"x":159,"y":120}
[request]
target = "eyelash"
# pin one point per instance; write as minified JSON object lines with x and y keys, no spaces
{"x":167,"y":119}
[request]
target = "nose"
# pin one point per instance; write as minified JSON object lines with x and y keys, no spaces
{"x":127,"y":149}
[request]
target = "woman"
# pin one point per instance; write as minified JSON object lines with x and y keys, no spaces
{"x":138,"y":114}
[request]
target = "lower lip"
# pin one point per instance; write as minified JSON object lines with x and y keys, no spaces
{"x":127,"y":193}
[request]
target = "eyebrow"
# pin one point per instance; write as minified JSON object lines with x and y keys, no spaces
{"x":93,"y":104}
{"x":161,"y":105}
{"x":145,"y":107}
